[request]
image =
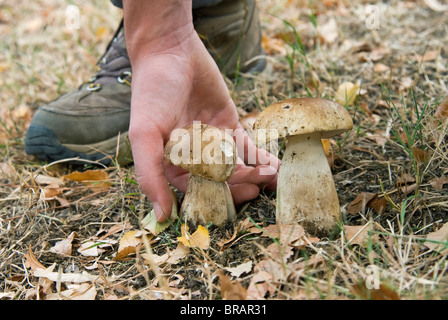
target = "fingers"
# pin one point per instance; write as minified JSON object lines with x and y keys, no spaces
{"x":246,"y":182}
{"x":147,"y":149}
{"x":249,"y":152}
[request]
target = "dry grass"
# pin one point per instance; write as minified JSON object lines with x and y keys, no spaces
{"x":41,"y":59}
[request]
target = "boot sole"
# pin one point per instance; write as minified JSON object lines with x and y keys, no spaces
{"x":43,"y":143}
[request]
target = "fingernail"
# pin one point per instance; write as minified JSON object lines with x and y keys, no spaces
{"x":158,"y":211}
{"x":267,"y":170}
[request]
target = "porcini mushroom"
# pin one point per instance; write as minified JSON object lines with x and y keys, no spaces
{"x":306,"y":193}
{"x":209,"y":154}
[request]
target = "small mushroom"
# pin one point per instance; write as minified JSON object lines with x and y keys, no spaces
{"x":306,"y":193}
{"x":209,"y":154}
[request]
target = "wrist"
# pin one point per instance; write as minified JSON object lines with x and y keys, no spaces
{"x":156,"y":26}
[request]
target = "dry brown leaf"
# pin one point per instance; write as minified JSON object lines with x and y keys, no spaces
{"x":380,"y":68}
{"x":442,"y":110}
{"x":64,"y":247}
{"x":359,"y":235}
{"x":328,"y":32}
{"x":260,"y":285}
{"x":96,"y":180}
{"x":441,"y":236}
{"x":128,"y":244}
{"x":231,"y":289}
{"x":361,"y":202}
{"x":170,"y":257}
{"x":427,"y":56}
{"x":93,"y":248}
{"x":346,"y":93}
{"x":50,"y":191}
{"x":421,"y":155}
{"x":279,"y":252}
{"x":200,"y":238}
{"x":68,"y":277}
{"x":286,"y":233}
{"x":31,"y":261}
{"x":273,"y":45}
{"x":242,"y":229}
{"x":240,"y":269}
{"x":382,"y":293}
{"x":438,"y":183}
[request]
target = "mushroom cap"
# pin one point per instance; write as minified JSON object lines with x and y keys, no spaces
{"x":298,"y":116}
{"x":203,"y":150}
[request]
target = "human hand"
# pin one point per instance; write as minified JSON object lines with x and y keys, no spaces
{"x":175,"y":82}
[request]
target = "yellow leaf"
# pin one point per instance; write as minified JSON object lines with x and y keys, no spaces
{"x":347,"y":93}
{"x":200,"y":238}
{"x":100,"y":32}
{"x":128,"y":244}
{"x":96,"y":180}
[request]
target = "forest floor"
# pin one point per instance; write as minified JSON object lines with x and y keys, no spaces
{"x":61,"y":238}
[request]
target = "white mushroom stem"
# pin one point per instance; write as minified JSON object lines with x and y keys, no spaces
{"x":306,"y":192}
{"x":207,"y":201}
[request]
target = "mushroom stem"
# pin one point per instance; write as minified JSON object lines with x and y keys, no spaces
{"x":207,"y":201}
{"x":306,"y":192}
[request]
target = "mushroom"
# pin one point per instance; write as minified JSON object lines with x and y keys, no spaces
{"x":209,"y":154}
{"x":305,"y":188}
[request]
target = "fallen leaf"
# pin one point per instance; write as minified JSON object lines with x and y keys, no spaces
{"x":273,"y":45}
{"x":64,"y":247}
{"x":100,"y":32}
{"x":128,"y":244}
{"x":69,"y":277}
{"x":346,"y":93}
{"x":427,"y":56}
{"x":278,"y":252}
{"x":438,"y":240}
{"x":382,"y":293}
{"x":260,"y":285}
{"x":405,"y":179}
{"x":32,"y":262}
{"x":328,"y":32}
{"x":380,"y":68}
{"x":285,"y":233}
{"x":150,"y":222}
{"x":421,"y":155}
{"x":442,"y":110}
{"x":50,"y":191}
{"x":435,"y":5}
{"x":96,"y":180}
{"x":438,"y":183}
{"x":407,"y":189}
{"x":361,"y":202}
{"x":200,"y":238}
{"x":240,"y":269}
{"x":359,"y":235}
{"x":170,"y":257}
{"x":93,"y":248}
{"x":241,"y":230}
{"x":231,"y":289}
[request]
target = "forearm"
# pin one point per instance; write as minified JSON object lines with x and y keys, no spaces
{"x":155,"y":26}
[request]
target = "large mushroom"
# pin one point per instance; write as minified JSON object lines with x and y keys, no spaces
{"x":209,"y":154}
{"x":306,"y":193}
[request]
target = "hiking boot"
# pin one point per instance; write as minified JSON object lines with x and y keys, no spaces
{"x":92,"y":122}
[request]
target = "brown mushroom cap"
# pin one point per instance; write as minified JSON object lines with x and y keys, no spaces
{"x":298,"y":116}
{"x":217,"y":167}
